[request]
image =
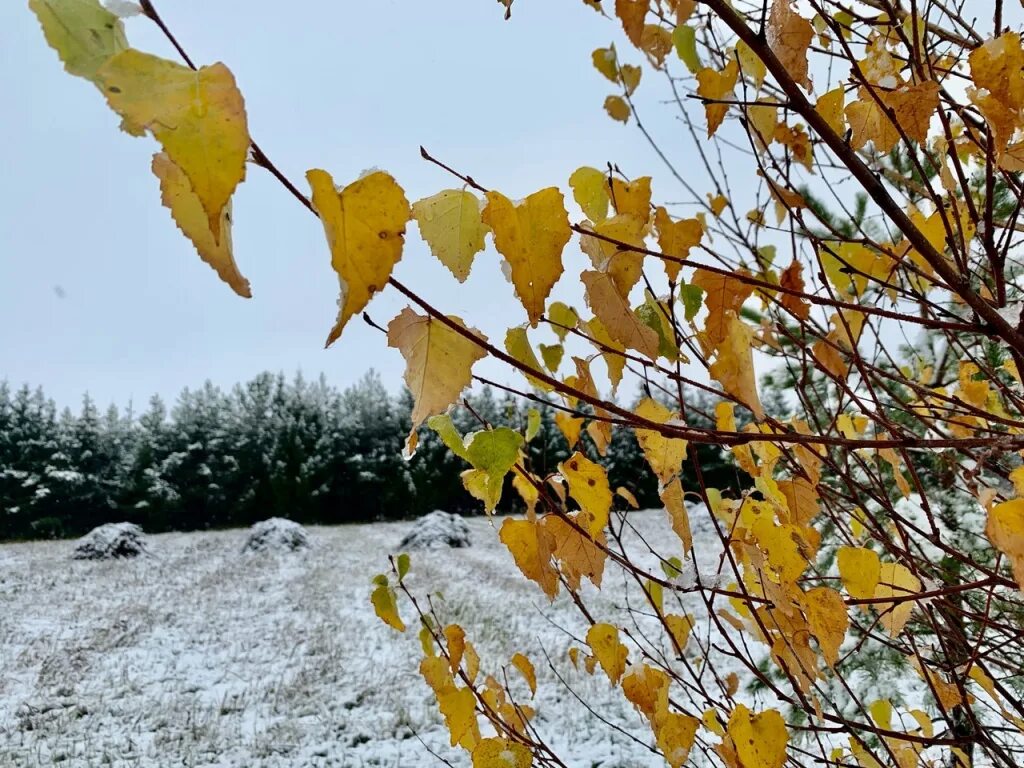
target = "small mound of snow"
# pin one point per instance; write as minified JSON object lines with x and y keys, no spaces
{"x":276,"y":535}
{"x":436,"y":531}
{"x":111,"y":541}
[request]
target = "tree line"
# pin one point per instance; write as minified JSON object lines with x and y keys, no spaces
{"x":273,"y":446}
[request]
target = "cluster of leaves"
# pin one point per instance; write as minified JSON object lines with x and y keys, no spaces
{"x":883,"y":512}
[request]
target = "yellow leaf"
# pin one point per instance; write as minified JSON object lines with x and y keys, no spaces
{"x":723,"y":295}
{"x":675,"y":735}
{"x":647,"y":689}
{"x":386,"y":606}
{"x":1005,"y":529}
{"x":672,"y":498}
{"x":913,"y":107}
{"x":563,"y":319}
{"x":632,"y":198}
{"x":606,"y":62}
{"x":451,"y":223}
{"x":627,"y":494}
{"x":590,"y":190}
{"x":623,"y":264}
{"x":525,"y":667}
{"x":531,"y":236}
{"x":611,"y":350}
{"x":517,"y":344}
{"x":617,"y":108}
{"x":716,"y":86}
{"x":365,"y":228}
{"x":455,"y":636}
{"x":895,"y":580}
{"x":197,"y":116}
{"x":664,"y":454}
{"x":679,"y":627}
{"x":860,"y":570}
{"x":827,"y":617}
{"x":438,"y":361}
{"x":187,"y":210}
{"x":530,"y":546}
{"x":734,"y":366}
{"x":457,"y":705}
{"x":611,"y":654}
{"x":617,"y":316}
{"x":676,"y":238}
{"x":751,"y":64}
{"x":472,"y":662}
{"x":830,"y":106}
{"x":83,"y":32}
{"x":759,"y":740}
{"x":570,"y":426}
{"x":656,"y":42}
{"x":632,"y":13}
{"x":789,"y":36}
{"x":501,"y":753}
{"x":588,"y":484}
{"x":578,"y":554}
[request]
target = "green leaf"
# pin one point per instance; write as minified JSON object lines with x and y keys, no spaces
{"x":685,"y":40}
{"x":83,"y":32}
{"x":449,"y":435}
{"x":402,"y":564}
{"x":532,"y":424}
{"x":692,"y":297}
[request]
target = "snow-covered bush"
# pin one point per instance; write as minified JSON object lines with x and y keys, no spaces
{"x":111,"y":541}
{"x":276,"y":535}
{"x":437,"y":530}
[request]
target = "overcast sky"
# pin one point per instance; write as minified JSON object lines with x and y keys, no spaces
{"x":100,"y":293}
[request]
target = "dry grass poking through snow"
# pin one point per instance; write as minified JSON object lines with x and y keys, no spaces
{"x":200,"y":656}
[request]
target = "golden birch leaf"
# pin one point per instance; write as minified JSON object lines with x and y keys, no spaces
{"x":455,"y":636}
{"x":723,"y":295}
{"x":789,"y":36}
{"x":590,"y":190}
{"x":517,"y":344}
{"x":716,"y":86}
{"x":860,"y":570}
{"x":913,"y":107}
{"x":751,"y":64}
{"x":895,"y":580}
{"x":617,"y":316}
{"x":606,"y":62}
{"x":1005,"y":529}
{"x":197,"y":116}
{"x":531,"y":236}
{"x":438,"y":361}
{"x":759,"y":740}
{"x":680,"y":628}
{"x":577,"y":553}
{"x":828,"y":620}
{"x":82,"y":32}
{"x":563,"y":319}
{"x":646,"y":688}
{"x":632,"y":14}
{"x":458,"y":707}
{"x":632,"y":198}
{"x":451,"y":224}
{"x":628,"y":496}
{"x":525,"y":667}
{"x":365,"y":229}
{"x":734,"y":365}
{"x":588,"y":484}
{"x":675,"y":734}
{"x":625,"y":265}
{"x":672,"y":498}
{"x":676,"y":238}
{"x":570,"y":426}
{"x":792,"y":278}
{"x":617,"y":108}
{"x":385,"y":604}
{"x":868,"y":122}
{"x":611,"y":350}
{"x":187,"y":210}
{"x":664,"y":454}
{"x":530,"y":546}
{"x":656,"y":42}
{"x":501,"y":753}
{"x":552,"y":355}
{"x":830,"y":106}
{"x":609,"y":651}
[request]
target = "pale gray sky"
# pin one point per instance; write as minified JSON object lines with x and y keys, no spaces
{"x":100,"y":292}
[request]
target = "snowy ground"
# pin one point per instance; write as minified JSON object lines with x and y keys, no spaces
{"x":199,"y":656}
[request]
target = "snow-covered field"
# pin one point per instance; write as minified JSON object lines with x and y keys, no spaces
{"x":200,"y":656}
